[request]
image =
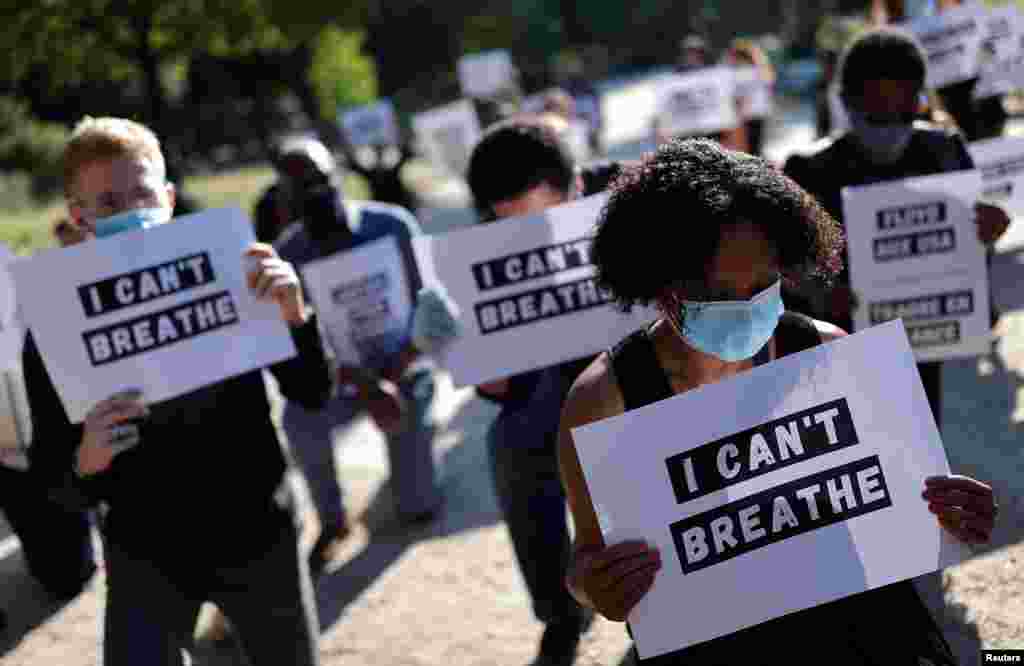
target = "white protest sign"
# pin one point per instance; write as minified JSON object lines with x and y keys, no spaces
{"x":448,"y":134}
{"x":363,"y":300}
{"x":1001,"y":58}
{"x":1001,"y":162}
{"x":166,"y":310}
{"x":755,"y":93}
{"x":775,"y":490}
{"x":952,"y":42}
{"x":485,"y":74}
{"x":371,"y":124}
{"x":11,"y":331}
{"x":837,"y":110}
{"x":914,"y":253}
{"x":527,"y":293}
{"x":15,"y":419}
{"x":699,"y":102}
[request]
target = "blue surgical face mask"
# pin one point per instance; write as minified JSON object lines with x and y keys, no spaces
{"x":732,"y":330}
{"x":139,"y":218}
{"x":882,"y":143}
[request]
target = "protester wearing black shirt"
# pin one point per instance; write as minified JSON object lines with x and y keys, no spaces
{"x":740,"y":227}
{"x":884,"y":144}
{"x":197,"y":508}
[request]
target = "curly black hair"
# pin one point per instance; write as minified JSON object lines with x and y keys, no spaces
{"x":663,"y":220}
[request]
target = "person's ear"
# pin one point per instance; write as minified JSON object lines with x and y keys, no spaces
{"x":172,"y":195}
{"x":577,"y":187}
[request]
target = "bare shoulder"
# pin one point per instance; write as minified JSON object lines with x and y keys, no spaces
{"x":594,"y":395}
{"x":827,"y":331}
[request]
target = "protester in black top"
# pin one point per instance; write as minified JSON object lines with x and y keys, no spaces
{"x":520,"y":168}
{"x":884,"y":144}
{"x":197,"y":507}
{"x":740,"y":227}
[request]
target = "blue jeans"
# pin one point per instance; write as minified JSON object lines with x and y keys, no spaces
{"x":410,"y":450}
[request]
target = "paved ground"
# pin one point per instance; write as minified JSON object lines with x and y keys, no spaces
{"x":450,"y":593}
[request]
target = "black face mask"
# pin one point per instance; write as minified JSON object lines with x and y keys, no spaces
{"x":323,"y":213}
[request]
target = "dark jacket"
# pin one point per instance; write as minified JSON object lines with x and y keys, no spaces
{"x":202,"y":481}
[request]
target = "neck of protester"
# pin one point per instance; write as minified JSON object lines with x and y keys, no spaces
{"x":688,"y":365}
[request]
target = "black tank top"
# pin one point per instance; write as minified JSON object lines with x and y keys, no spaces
{"x":886,"y":626}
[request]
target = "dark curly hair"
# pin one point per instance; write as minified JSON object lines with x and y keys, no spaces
{"x":662,"y":223}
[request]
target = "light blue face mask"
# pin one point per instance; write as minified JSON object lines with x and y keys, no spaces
{"x":139,"y":218}
{"x":732,"y":330}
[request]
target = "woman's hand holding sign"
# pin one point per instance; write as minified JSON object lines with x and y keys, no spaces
{"x":613,"y":580}
{"x":992,"y":222}
{"x":105,"y":435}
{"x":965,"y":507}
{"x":274,"y":279}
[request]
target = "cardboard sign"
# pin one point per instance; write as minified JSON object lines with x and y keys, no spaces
{"x":363,"y":300}
{"x":700,"y":102}
{"x":952,"y":43}
{"x":371,"y":125}
{"x":527,"y":292}
{"x":914,"y":254}
{"x":1001,"y":61}
{"x":486,"y":74}
{"x":755,"y":94}
{"x":748,"y":485}
{"x":448,"y":135}
{"x":1001,"y":162}
{"x":166,"y":310}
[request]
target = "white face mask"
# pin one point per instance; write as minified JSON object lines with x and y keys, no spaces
{"x":138,"y":218}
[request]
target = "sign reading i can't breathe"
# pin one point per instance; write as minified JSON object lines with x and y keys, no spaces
{"x":914,"y":253}
{"x":748,"y":485}
{"x":166,"y":310}
{"x":527,"y":292}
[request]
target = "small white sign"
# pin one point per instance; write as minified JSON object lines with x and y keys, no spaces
{"x":527,"y":293}
{"x":773,"y":491}
{"x":914,"y":254}
{"x":1001,"y":162}
{"x":755,"y":94}
{"x":166,"y":310}
{"x":952,"y":43}
{"x":363,"y":300}
{"x":487,"y":73}
{"x":1001,"y":61}
{"x":448,"y":135}
{"x":371,"y":125}
{"x":700,"y":102}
